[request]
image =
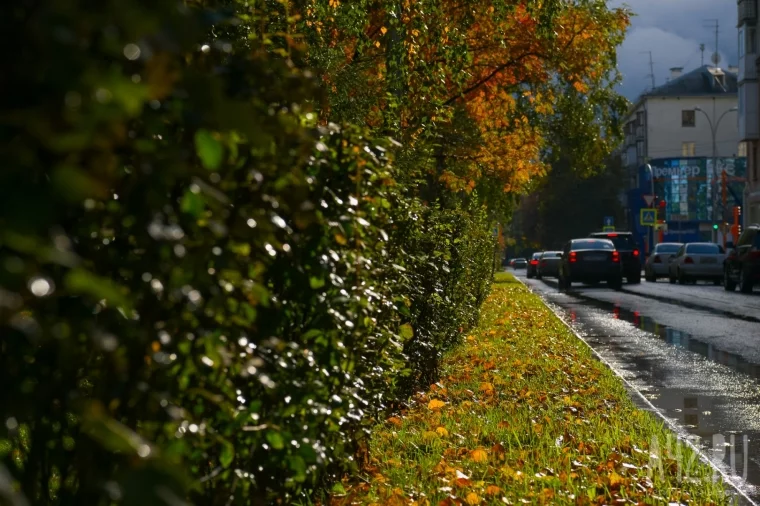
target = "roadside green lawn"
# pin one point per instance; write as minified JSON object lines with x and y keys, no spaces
{"x":524,"y":414}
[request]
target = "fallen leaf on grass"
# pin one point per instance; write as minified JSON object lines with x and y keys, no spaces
{"x":435,"y":404}
{"x":487,"y":388}
{"x":472,"y":499}
{"x":492,"y":490}
{"x":479,"y":456}
{"x":395,"y":421}
{"x":442,"y":431}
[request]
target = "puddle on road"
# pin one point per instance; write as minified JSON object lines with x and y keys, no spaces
{"x":713,"y":395}
{"x":673,"y":337}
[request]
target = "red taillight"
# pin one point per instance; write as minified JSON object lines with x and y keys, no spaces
{"x":615,"y":256}
{"x":573,"y":256}
{"x":612,"y":235}
{"x":534,"y":262}
{"x":657,"y":259}
{"x":688,"y":260}
{"x":635,"y":252}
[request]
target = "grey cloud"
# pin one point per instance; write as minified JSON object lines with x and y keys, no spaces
{"x":673,"y":31}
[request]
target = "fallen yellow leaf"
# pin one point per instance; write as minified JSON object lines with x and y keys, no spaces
{"x":435,"y":404}
{"x":395,"y":421}
{"x":442,"y":431}
{"x":472,"y":499}
{"x":615,"y":479}
{"x":487,"y":388}
{"x":479,"y":456}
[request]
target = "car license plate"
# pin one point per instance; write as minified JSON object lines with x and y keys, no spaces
{"x":597,"y":258}
{"x":708,"y":260}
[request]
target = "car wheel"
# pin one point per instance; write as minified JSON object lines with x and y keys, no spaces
{"x":671,"y":278}
{"x":649,"y":276}
{"x":729,"y":284}
{"x":745,"y":284}
{"x":681,"y":278}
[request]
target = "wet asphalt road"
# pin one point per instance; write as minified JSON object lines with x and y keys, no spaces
{"x":692,"y":350}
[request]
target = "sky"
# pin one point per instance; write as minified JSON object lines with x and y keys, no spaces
{"x":673,"y":30}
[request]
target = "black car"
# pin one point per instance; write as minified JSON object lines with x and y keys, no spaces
{"x":533,"y":265}
{"x":742,"y":264}
{"x":625,"y":244}
{"x":548,"y":264}
{"x":589,"y":261}
{"x":519,"y":263}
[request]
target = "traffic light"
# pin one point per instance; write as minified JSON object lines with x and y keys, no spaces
{"x":715,"y":226}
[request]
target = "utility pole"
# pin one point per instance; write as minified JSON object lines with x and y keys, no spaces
{"x":714,"y":24}
{"x":651,"y":67}
{"x":702,"y":50}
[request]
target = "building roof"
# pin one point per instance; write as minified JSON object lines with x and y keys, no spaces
{"x":704,"y":80}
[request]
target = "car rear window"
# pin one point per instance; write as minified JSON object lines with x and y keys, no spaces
{"x":536,"y":256}
{"x":592,"y":244}
{"x":668,"y":248}
{"x":551,"y":254}
{"x":702,"y":249}
{"x":623,"y":242}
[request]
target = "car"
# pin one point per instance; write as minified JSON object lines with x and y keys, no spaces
{"x":533,"y":264}
{"x":697,"y":260}
{"x":657,"y":264}
{"x":590,"y":260}
{"x":625,"y":244}
{"x":742,"y":264}
{"x":520,"y":263}
{"x":548,"y":264}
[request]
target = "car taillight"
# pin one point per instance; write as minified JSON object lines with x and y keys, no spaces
{"x":635,"y":252}
{"x":688,"y":260}
{"x":615,"y":256}
{"x":573,"y":256}
{"x":657,"y":259}
{"x":534,"y":262}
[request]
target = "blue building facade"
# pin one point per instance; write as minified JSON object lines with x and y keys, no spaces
{"x":686,"y":185}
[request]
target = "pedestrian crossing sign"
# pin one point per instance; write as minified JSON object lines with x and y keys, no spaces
{"x":648,"y":217}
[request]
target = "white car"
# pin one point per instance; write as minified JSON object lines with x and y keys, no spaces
{"x":657,"y":264}
{"x":697,"y":260}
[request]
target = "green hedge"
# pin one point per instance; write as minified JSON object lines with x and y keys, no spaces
{"x":203,"y":296}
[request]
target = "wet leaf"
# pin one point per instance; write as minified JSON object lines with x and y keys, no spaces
{"x":209,"y":150}
{"x":275,"y":439}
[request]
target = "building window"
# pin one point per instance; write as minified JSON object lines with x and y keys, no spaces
{"x":688,"y":118}
{"x":640,"y":148}
{"x":688,"y":148}
{"x":751,"y":40}
{"x":742,"y":150}
{"x":742,"y":42}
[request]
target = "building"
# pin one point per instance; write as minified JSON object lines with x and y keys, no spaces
{"x":748,"y":98}
{"x":687,"y":131}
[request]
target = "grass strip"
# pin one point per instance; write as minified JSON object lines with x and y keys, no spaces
{"x":525,"y":414}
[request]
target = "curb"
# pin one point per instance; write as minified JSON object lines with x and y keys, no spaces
{"x":744,"y":499}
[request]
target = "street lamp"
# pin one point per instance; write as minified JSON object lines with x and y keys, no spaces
{"x":651,"y":182}
{"x":714,"y":192}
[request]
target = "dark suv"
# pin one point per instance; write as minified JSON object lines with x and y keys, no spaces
{"x":629,"y":253}
{"x":742,"y":264}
